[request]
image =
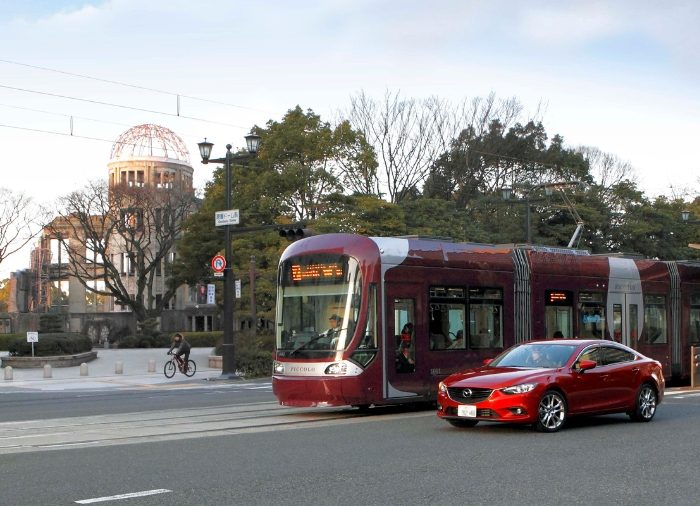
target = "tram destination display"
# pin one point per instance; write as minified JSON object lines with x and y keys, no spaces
{"x":315,"y":270}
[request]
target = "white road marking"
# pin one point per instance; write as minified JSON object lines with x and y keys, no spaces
{"x":124,"y":496}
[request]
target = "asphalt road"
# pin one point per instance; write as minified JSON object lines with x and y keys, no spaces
{"x":238,"y":447}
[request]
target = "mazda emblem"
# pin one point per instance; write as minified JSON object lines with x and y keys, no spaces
{"x":467,"y":392}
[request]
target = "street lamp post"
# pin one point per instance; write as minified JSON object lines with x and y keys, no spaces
{"x":685,"y":216}
{"x":228,"y":366}
{"x":549,"y":190}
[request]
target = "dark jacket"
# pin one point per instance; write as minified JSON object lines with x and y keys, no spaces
{"x":183,"y":346}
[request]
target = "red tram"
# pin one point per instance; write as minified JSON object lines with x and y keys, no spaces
{"x":366,"y":321}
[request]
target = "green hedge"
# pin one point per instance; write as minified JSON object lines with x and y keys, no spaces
{"x":51,"y":345}
{"x":7,"y":339}
{"x":253,"y":353}
{"x":196,"y":339}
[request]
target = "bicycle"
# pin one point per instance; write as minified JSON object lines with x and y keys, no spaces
{"x":176,"y":363}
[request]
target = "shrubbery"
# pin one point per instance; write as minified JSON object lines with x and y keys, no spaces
{"x":253,"y":353}
{"x":164,"y":340}
{"x":51,"y":344}
{"x":159,"y":341}
{"x":7,"y":339}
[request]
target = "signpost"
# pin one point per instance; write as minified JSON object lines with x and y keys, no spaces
{"x":230,"y":217}
{"x":211,"y":294}
{"x":32,"y":337}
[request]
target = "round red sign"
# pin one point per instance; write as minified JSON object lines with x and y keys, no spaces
{"x":218,"y":263}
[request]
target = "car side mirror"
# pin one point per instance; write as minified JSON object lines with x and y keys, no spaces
{"x":488,"y":361}
{"x":586,"y":365}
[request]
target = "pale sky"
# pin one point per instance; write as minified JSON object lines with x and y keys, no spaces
{"x":618,"y":75}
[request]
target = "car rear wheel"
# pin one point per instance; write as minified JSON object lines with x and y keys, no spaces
{"x":462,"y":424}
{"x":551,"y":412}
{"x":645,"y":407}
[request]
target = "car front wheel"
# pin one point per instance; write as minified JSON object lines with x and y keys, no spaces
{"x":645,"y":406}
{"x":551,"y":412}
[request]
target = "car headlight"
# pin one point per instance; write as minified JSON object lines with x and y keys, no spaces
{"x":519,"y":389}
{"x":442,"y":388}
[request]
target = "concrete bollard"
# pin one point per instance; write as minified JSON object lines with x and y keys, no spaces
{"x":119,"y":367}
{"x":83,"y":369}
{"x":47,"y":371}
{"x":8,"y":372}
{"x":151,"y":365}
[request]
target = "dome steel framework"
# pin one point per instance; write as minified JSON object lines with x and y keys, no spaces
{"x":149,"y":140}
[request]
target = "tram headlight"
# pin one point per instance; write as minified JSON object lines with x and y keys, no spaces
{"x":278,"y":367}
{"x":337,"y":368}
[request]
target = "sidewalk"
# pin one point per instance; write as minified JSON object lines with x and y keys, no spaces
{"x":102,"y":372}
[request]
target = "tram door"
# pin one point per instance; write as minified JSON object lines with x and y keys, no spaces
{"x":624,"y":311}
{"x":402,"y":349}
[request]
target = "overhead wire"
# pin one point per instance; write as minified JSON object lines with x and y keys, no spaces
{"x":128,"y":85}
{"x":120,"y":106}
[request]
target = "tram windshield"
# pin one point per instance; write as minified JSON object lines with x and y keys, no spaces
{"x":318,"y":305}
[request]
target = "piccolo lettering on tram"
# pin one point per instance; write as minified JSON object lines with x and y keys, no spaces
{"x":368,"y":321}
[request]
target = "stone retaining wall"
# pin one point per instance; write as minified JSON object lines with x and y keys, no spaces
{"x":57,"y":361}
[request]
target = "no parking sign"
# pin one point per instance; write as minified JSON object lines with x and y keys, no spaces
{"x":218,"y":263}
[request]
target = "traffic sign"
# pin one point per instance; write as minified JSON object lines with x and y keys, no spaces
{"x":218,"y":263}
{"x":230,"y":217}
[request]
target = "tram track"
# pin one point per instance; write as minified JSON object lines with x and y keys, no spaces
{"x":171,"y":424}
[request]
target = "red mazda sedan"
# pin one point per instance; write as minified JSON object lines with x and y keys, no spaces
{"x":545,"y":382}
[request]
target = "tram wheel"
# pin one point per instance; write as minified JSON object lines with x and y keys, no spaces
{"x":362,"y":408}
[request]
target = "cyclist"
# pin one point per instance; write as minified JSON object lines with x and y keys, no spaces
{"x":183,"y":350}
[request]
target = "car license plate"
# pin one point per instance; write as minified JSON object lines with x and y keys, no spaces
{"x":467,"y":410}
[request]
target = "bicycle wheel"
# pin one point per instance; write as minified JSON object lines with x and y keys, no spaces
{"x":169,"y":369}
{"x":191,"y":368}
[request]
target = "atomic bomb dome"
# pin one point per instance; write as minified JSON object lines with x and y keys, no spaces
{"x":150,"y":155}
{"x":149,"y":140}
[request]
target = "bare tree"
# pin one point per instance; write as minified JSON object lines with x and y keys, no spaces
{"x":607,"y":169}
{"x":406,"y":134}
{"x":119,"y":241}
{"x":20,"y":222}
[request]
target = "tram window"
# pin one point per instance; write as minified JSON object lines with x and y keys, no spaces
{"x":367,"y":349}
{"x":592,"y":314}
{"x":486,"y":318}
{"x":558,"y":313}
{"x":404,"y":318}
{"x":446,"y":326}
{"x":617,"y":322}
{"x":446,"y":292}
{"x":633,"y":323}
{"x":654,"y":331}
{"x":694,"y":324}
{"x":557,"y":320}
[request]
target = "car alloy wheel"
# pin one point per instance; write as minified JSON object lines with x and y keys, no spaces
{"x":646,"y":404}
{"x":551,"y":412}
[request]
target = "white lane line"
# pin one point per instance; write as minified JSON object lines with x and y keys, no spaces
{"x":124,"y":496}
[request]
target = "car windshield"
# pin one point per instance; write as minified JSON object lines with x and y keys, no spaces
{"x":540,"y":355}
{"x":318,"y":305}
